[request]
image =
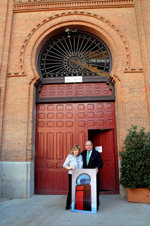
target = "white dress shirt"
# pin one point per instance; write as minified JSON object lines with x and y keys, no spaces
{"x":89,"y":154}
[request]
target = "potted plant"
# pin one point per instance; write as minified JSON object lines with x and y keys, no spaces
{"x":135,"y":165}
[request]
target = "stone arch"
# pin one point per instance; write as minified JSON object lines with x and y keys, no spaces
{"x":101,"y":27}
{"x":92,"y":23}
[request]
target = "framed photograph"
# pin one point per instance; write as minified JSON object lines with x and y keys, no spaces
{"x":84,"y":196}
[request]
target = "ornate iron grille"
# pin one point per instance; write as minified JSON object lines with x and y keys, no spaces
{"x":76,"y":54}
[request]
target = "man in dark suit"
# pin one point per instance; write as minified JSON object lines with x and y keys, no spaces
{"x":92,"y":159}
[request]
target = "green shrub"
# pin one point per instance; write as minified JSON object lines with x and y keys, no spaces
{"x":135,"y":159}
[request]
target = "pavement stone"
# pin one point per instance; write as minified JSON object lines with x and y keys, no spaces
{"x":49,"y":210}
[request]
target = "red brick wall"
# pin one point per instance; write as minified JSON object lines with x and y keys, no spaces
{"x":125,"y":29}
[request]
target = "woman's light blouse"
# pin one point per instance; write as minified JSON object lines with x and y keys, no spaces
{"x":73,"y":161}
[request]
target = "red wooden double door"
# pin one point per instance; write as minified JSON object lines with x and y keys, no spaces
{"x":59,"y":127}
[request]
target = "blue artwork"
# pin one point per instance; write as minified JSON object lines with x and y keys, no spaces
{"x":84,"y":191}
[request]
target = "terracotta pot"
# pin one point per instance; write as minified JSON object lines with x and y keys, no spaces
{"x":138,"y":195}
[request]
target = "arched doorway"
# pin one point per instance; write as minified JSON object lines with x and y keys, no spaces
{"x":75,"y":102}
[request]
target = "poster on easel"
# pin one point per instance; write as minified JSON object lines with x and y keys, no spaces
{"x":84,"y":195}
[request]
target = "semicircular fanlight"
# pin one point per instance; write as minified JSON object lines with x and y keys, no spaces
{"x":78,"y":54}
{"x":83,"y":179}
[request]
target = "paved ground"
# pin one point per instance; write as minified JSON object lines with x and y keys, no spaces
{"x":49,"y":210}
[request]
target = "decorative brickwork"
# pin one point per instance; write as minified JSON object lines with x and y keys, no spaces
{"x":31,"y":5}
{"x":126,"y":46}
{"x":26,"y":25}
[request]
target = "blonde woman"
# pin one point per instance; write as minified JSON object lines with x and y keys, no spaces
{"x":73,"y":161}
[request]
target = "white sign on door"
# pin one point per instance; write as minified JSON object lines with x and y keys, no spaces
{"x":98,"y":148}
{"x":73,"y":79}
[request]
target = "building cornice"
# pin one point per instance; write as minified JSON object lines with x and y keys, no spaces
{"x":45,"y":5}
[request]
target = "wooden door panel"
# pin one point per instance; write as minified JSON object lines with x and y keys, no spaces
{"x":95,"y":116}
{"x":50,"y":145}
{"x":107,"y":173}
{"x":93,"y":89}
{"x":55,"y":138}
{"x":72,"y":90}
{"x":41,"y":143}
{"x":107,"y":179}
{"x":92,"y":116}
{"x":59,"y":127}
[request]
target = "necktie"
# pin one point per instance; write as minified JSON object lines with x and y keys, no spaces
{"x":88,"y":157}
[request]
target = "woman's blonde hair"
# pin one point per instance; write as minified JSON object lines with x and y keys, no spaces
{"x":74,"y":148}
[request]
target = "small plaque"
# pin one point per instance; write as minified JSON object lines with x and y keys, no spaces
{"x":99,"y":149}
{"x":72,"y":79}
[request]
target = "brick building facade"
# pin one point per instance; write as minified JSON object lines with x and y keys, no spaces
{"x":123,"y":25}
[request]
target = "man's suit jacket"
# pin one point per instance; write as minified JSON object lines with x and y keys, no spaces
{"x":95,"y":160}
